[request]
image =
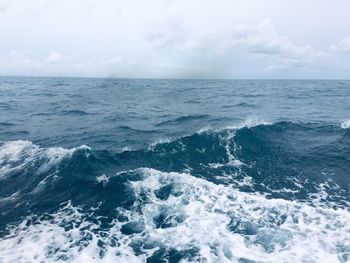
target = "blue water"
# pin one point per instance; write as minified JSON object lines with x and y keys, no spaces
{"x":122,"y":170}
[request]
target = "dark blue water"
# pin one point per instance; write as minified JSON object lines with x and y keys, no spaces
{"x":113,"y":170}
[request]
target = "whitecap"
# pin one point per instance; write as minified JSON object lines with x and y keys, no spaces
{"x":102,"y":179}
{"x":16,"y":155}
{"x":249,"y":123}
{"x":345,"y":124}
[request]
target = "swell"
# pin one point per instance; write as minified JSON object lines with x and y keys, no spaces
{"x":6,"y":124}
{"x":131,"y":129}
{"x":76,"y":112}
{"x":305,"y":162}
{"x":182,"y":119}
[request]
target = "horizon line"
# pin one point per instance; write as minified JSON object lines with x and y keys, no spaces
{"x":160,"y":78}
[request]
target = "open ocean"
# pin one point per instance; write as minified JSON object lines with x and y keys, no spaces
{"x":132,"y":170}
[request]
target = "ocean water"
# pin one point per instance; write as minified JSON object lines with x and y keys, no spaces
{"x":122,"y":170}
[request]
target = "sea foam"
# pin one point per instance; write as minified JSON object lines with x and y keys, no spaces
{"x":203,"y":221}
{"x":16,"y":155}
{"x":345,"y":124}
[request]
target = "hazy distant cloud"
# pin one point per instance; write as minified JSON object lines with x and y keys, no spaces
{"x":57,"y":64}
{"x":264,"y":39}
{"x":114,"y":61}
{"x":18,"y":58}
{"x":342,"y":46}
{"x":54,"y":57}
{"x":167,"y":35}
{"x":18,"y":63}
{"x":23,"y":7}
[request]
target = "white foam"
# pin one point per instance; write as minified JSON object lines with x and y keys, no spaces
{"x":102,"y":179}
{"x":249,"y":123}
{"x":49,"y":241}
{"x":16,"y":155}
{"x":226,"y":140}
{"x":126,"y":149}
{"x":12,"y":197}
{"x":208,"y":206}
{"x":232,"y":160}
{"x":160,"y":141}
{"x":345,"y":124}
{"x":199,"y":215}
{"x":205,"y":130}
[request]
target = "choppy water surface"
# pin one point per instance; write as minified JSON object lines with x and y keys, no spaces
{"x":110,"y":170}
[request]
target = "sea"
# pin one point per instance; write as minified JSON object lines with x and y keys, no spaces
{"x":166,"y":170}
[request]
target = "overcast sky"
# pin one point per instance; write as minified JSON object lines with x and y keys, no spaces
{"x":176,"y":38}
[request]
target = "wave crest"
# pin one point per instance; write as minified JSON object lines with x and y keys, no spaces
{"x":345,"y":124}
{"x":16,"y":155}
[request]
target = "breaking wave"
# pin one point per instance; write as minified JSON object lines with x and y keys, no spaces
{"x":345,"y":124}
{"x":175,"y":216}
{"x":257,"y":192}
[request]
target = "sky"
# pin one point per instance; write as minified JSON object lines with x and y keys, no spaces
{"x":239,"y":39}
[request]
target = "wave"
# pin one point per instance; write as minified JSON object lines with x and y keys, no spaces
{"x":245,"y":105}
{"x":77,"y":112}
{"x":26,"y":169}
{"x":15,"y":133}
{"x":65,"y":112}
{"x":5,"y":106}
{"x":6,"y":124}
{"x":283,"y":160}
{"x":59,"y":84}
{"x":249,"y":123}
{"x":15,"y":155}
{"x":169,"y":219}
{"x":128,"y":128}
{"x":345,"y":124}
{"x":182,"y":119}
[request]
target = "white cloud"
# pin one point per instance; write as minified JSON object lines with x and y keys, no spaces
{"x":256,"y":39}
{"x":113,"y":61}
{"x":54,"y":57}
{"x":223,"y":47}
{"x":342,"y":47}
{"x":22,"y":63}
{"x":263,"y":39}
{"x":56,"y":64}
{"x":18,"y":58}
